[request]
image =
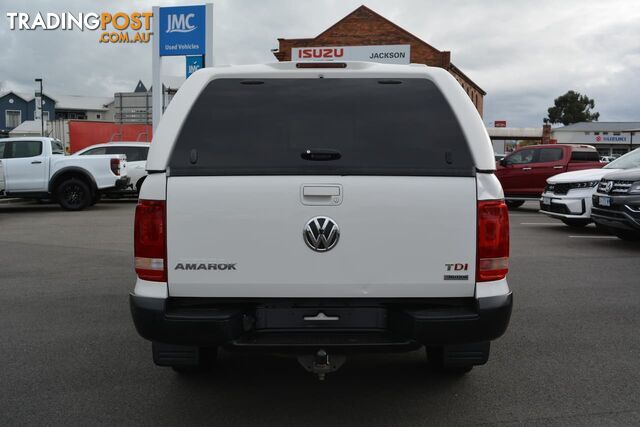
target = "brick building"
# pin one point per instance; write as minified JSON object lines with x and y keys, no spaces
{"x":364,"y":27}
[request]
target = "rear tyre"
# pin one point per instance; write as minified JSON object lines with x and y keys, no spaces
{"x":514,"y":204}
{"x":73,"y":194}
{"x":206,"y":363}
{"x":628,"y":235}
{"x":576,"y":223}
{"x":96,"y":198}
{"x":437,"y":363}
{"x":139,"y":184}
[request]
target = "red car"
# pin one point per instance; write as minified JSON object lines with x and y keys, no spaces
{"x":523,"y":173}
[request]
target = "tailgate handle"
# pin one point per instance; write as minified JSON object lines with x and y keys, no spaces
{"x":322,"y":317}
{"x":320,"y":191}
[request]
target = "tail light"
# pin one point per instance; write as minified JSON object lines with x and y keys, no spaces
{"x":115,"y":166}
{"x":493,"y":240}
{"x":150,"y":237}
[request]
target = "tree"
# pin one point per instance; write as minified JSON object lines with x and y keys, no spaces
{"x":572,"y":107}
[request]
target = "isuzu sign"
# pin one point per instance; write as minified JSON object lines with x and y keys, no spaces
{"x":388,"y":54}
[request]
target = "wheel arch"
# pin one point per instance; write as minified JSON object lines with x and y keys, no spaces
{"x":72,"y":172}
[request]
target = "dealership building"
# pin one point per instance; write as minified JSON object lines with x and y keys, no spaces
{"x":364,"y":35}
{"x":608,"y":137}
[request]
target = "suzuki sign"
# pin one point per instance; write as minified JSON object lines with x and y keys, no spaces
{"x":182,"y":30}
{"x":616,"y":139}
{"x":389,"y":54}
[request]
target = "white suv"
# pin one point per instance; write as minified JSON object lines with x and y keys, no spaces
{"x":568,"y":195}
{"x":320,"y":209}
{"x":136,"y":153}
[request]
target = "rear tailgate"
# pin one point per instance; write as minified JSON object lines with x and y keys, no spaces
{"x":385,"y":159}
{"x":399,"y":236}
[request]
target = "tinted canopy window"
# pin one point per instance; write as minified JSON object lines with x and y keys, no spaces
{"x":321,"y":126}
{"x":95,"y":151}
{"x":585,"y":156}
{"x":134,"y":154}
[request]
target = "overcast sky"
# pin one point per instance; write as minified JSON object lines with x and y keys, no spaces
{"x":522,"y":53}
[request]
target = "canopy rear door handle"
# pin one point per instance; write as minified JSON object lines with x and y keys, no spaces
{"x":36,"y":162}
{"x":320,"y":191}
{"x":526,"y":169}
{"x":321,"y":194}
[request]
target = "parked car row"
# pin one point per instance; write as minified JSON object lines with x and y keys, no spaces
{"x":36,"y":168}
{"x":524,"y":173}
{"x":579,"y":189}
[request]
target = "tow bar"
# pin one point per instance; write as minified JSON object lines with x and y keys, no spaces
{"x":321,"y":364}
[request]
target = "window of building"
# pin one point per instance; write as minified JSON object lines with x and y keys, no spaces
{"x":97,"y":116}
{"x":586,"y":133}
{"x":616,"y":133}
{"x":12,"y":118}
{"x":596,"y":133}
{"x":605,"y":133}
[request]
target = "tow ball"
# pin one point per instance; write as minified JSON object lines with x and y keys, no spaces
{"x":321,"y":363}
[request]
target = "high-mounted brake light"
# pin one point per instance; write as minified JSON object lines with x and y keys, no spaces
{"x":115,"y":166}
{"x":150,"y":240}
{"x":493,"y":240}
{"x":321,"y":65}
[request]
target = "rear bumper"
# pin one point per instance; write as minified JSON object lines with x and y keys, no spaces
{"x":120,"y":184}
{"x":393,"y":325}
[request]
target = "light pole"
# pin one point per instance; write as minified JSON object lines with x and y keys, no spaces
{"x":41,"y":112}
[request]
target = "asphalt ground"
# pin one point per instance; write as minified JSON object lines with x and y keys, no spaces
{"x":70,"y":355}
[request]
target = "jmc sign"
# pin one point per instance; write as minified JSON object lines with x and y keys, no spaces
{"x":390,"y":54}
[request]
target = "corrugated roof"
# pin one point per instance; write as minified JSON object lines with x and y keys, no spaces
{"x":75,"y":102}
{"x":27,"y":96}
{"x":69,"y":102}
{"x":599,"y":127}
{"x":27,"y":127}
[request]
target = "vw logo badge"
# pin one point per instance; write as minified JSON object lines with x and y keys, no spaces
{"x":608,"y":187}
{"x":321,"y":233}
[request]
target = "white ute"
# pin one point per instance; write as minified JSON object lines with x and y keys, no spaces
{"x":568,"y":196}
{"x":136,"y":155}
{"x":36,"y":168}
{"x":321,"y":209}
